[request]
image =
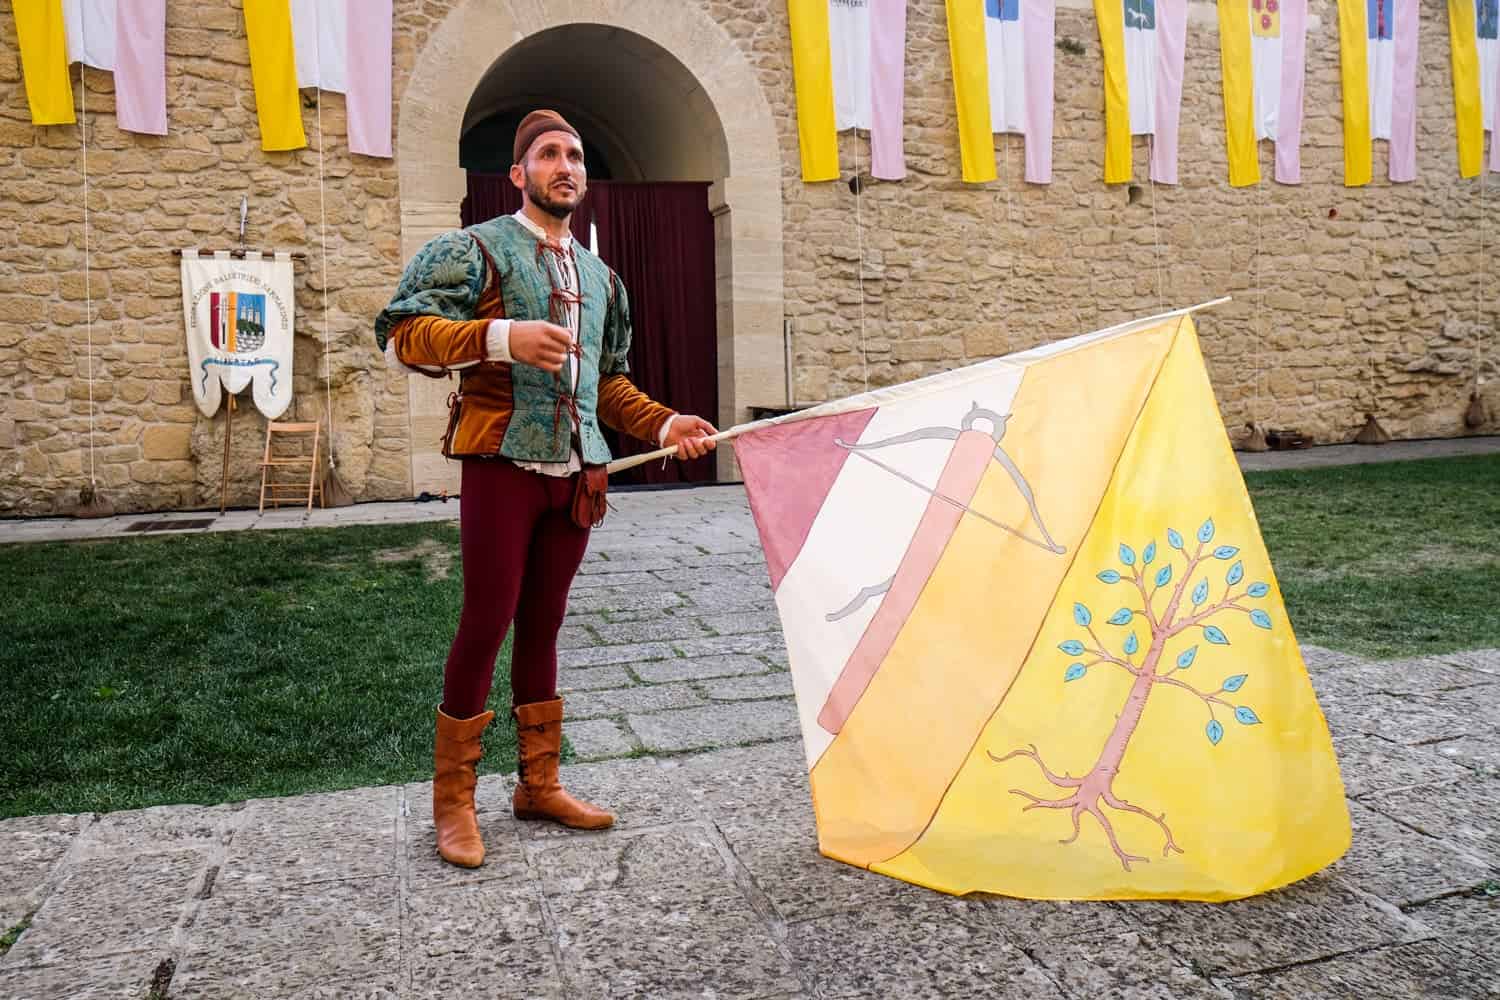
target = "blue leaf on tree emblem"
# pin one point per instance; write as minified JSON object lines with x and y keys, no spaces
{"x":1072,"y":647}
{"x":1260,"y":618}
{"x":1121,"y":617}
{"x":1149,"y":554}
{"x":1164,"y":576}
{"x":1259,"y":589}
{"x":1110,"y":576}
{"x":1200,"y":592}
{"x":1236,"y":574}
{"x":1173,"y":538}
{"x":1235,"y":683}
{"x":1074,"y":672}
{"x":1246,"y":717}
{"x":1215,"y":732}
{"x":1225,"y":552}
{"x":1187,"y":657}
{"x":1213,"y":635}
{"x":1206,"y":533}
{"x":1131,"y":645}
{"x":1127,"y":554}
{"x":1081,"y":615}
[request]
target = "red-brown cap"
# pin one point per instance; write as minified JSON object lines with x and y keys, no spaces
{"x":535,"y":124}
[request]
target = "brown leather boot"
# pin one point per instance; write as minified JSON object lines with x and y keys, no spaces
{"x":455,"y":754}
{"x":539,"y":795}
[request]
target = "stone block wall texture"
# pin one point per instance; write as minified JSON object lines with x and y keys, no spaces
{"x":1347,"y":301}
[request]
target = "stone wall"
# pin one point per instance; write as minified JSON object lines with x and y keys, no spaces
{"x":1345,"y":299}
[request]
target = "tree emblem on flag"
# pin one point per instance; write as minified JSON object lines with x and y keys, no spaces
{"x":1169,"y":639}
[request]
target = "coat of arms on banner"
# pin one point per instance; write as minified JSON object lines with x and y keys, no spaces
{"x":239,"y":328}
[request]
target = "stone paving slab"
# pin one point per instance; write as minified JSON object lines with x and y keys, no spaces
{"x":1428,"y":969}
{"x":599,"y":739}
{"x":1255,"y":935}
{"x":718,"y":725}
{"x":122,"y":976}
{"x":698,"y":668}
{"x":283,"y":942}
{"x":1403,"y":866}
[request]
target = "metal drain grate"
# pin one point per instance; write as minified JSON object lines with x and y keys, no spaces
{"x":185,"y":524}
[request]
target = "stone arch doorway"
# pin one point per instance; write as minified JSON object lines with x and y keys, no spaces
{"x":663,"y":94}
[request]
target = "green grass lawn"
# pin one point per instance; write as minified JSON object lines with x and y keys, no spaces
{"x":1387,"y":560}
{"x":210,"y":668}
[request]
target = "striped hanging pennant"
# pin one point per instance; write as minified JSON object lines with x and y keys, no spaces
{"x":341,"y":46}
{"x":1262,"y":47}
{"x":1474,"y":28}
{"x":848,"y":65}
{"x":125,"y":37}
{"x":1003,"y":81}
{"x":1378,"y":63}
{"x":1144,"y":45}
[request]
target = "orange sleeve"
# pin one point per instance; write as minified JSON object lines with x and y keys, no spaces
{"x":434,"y":342}
{"x":629,"y":410}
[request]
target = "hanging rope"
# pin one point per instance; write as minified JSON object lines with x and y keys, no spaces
{"x":859,"y":227}
{"x":323,"y":235}
{"x":1480,"y":276}
{"x":1161,"y":302}
{"x":1260,"y":306}
{"x":88,"y":292}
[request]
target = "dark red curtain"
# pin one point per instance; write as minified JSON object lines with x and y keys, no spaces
{"x":660,"y":239}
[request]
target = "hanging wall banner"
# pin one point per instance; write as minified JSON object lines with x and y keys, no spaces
{"x":239,"y":328}
{"x":1002,"y":81}
{"x":1262,"y":48}
{"x":1144,"y":44}
{"x":849,"y":62}
{"x":1378,"y":63}
{"x":1474,"y":30}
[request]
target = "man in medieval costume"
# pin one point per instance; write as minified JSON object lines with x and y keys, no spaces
{"x":538,"y":329}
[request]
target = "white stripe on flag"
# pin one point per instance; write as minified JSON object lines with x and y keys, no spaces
{"x":1265,"y":55}
{"x":1382,"y":66}
{"x":320,"y":36}
{"x":849,"y":50}
{"x":1489,"y":66}
{"x":91,"y":32}
{"x":1005,"y":50}
{"x":1140,"y":73}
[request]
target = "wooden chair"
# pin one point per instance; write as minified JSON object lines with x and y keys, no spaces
{"x":274,"y":461}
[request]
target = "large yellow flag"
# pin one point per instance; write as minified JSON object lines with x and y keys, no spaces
{"x":1036,"y":641}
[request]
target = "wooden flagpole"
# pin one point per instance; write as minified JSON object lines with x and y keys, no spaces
{"x":630,"y":462}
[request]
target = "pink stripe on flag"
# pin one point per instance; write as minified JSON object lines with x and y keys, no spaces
{"x":1038,"y":28}
{"x":1293,"y":72}
{"x":887,"y":88}
{"x":369,"y":76}
{"x":809,"y":450}
{"x":1495,"y":135}
{"x":1171,"y":47}
{"x":1404,"y":93}
{"x":141,"y":66}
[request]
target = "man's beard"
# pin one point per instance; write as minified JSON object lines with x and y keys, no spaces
{"x":541,"y":199}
